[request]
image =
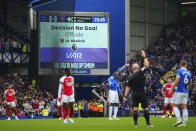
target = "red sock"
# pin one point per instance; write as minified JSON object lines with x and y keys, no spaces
{"x":65,"y":110}
{"x":164,"y":110}
{"x":15,"y":111}
{"x":170,"y":110}
{"x":71,"y":113}
{"x":8,"y":112}
{"x":59,"y":110}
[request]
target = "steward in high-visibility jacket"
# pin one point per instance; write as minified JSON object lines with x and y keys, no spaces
{"x":81,"y":108}
{"x":91,"y":108}
{"x":100,"y":110}
{"x":95,"y":109}
{"x":75,"y":107}
{"x":140,"y":107}
{"x":33,"y":83}
{"x":44,"y":112}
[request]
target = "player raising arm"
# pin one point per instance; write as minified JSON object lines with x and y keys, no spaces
{"x":183,"y":82}
{"x":9,"y":96}
{"x":136,"y":84}
{"x":66,"y":88}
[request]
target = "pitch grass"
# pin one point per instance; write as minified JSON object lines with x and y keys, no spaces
{"x":94,"y":124}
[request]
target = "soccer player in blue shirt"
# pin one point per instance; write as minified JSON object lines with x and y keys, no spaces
{"x":114,"y":89}
{"x":184,"y":83}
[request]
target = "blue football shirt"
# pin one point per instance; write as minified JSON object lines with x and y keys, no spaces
{"x":185,"y":77}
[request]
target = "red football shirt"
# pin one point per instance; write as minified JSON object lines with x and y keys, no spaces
{"x":167,"y":89}
{"x":10,"y":95}
{"x":68,"y":85}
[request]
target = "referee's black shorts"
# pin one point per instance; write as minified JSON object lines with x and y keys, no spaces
{"x":139,"y":98}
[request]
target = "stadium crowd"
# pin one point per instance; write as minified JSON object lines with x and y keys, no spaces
{"x":176,"y":42}
{"x":30,"y":99}
{"x":10,"y":43}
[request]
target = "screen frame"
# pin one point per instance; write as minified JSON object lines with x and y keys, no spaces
{"x":93,"y":72}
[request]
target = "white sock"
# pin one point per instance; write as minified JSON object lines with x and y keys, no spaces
{"x":177,"y":113}
{"x":185,"y":115}
{"x":115,"y":111}
{"x":110,"y":111}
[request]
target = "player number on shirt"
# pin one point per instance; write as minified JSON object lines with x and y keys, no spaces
{"x":186,"y":80}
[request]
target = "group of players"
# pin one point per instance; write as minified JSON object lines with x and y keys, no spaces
{"x":65,"y":99}
{"x":183,"y":84}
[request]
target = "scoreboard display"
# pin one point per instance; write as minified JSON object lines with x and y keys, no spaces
{"x":79,"y":41}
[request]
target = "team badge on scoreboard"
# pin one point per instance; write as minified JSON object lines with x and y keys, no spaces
{"x":62,"y":18}
{"x":62,"y":40}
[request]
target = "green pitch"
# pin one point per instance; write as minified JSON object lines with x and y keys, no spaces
{"x":93,"y":124}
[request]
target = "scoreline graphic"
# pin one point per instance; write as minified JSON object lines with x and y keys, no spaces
{"x":77,"y":42}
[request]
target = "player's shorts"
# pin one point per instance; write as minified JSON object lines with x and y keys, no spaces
{"x":12,"y":104}
{"x":169,"y":100}
{"x":180,"y":98}
{"x":59,"y":103}
{"x":113,"y":96}
{"x":139,"y":98}
{"x":172,"y":100}
{"x":66,"y":99}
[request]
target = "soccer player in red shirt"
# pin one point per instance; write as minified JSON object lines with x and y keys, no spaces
{"x":168,"y":98}
{"x":9,"y":95}
{"x":66,"y":88}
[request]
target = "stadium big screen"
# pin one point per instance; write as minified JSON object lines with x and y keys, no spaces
{"x":79,"y":41}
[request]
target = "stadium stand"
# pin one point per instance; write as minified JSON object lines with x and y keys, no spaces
{"x":176,"y":42}
{"x":30,"y":99}
{"x":9,"y":43}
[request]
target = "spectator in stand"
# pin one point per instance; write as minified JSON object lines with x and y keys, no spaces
{"x":48,"y":107}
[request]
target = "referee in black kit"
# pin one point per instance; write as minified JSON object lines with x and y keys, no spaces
{"x":136,"y":84}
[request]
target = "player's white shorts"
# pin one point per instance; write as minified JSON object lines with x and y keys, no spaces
{"x":12,"y":104}
{"x":66,"y":99}
{"x":59,"y":103}
{"x":113,"y":96}
{"x":169,"y":100}
{"x":180,"y":98}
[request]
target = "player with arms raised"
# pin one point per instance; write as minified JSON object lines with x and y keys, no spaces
{"x":66,"y":88}
{"x":168,"y":98}
{"x":9,"y":95}
{"x":184,"y":83}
